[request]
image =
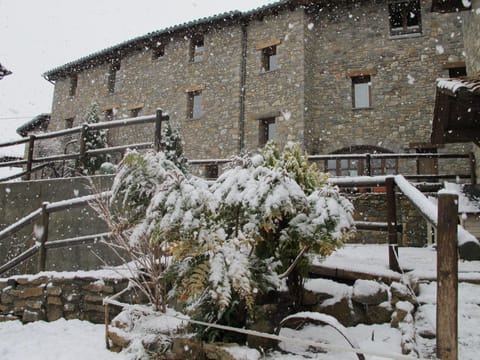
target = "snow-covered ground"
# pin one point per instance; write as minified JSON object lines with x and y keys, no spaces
{"x":76,"y":339}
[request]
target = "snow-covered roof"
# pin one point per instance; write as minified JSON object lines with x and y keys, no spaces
{"x":37,"y":121}
{"x":149,"y":38}
{"x":455,"y":85}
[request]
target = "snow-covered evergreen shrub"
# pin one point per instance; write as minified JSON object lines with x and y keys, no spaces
{"x":232,"y":239}
{"x":95,"y":139}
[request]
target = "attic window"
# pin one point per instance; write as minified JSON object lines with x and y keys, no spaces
{"x":73,"y":85}
{"x":197,"y":48}
{"x":158,"y":51}
{"x":405,"y":17}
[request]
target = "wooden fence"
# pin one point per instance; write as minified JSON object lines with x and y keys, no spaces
{"x":84,"y":152}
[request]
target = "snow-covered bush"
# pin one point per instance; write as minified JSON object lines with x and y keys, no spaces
{"x":221,"y":244}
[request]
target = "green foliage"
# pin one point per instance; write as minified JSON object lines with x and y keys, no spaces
{"x":95,"y":139}
{"x":231,"y":240}
{"x":172,"y":145}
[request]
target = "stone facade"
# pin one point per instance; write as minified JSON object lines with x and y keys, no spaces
{"x":308,"y":92}
{"x":471,"y":30}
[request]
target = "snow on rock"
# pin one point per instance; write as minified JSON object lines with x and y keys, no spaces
{"x":369,"y":292}
{"x":331,"y":291}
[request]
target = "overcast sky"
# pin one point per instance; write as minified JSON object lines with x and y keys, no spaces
{"x":39,"y":35}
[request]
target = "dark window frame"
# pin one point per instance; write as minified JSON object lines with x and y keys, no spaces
{"x":135,"y":112}
{"x":456,"y":72}
{"x":195,"y":104}
{"x":197,"y":48}
{"x":69,"y":122}
{"x":73,"y":85}
{"x":108,"y":115}
{"x":405,"y":17}
{"x":264,"y":130}
{"x":362,"y":79}
{"x":112,"y":76}
{"x":211,"y":171}
{"x":158,"y":52}
{"x":269,"y":58}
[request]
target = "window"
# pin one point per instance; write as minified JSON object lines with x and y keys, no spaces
{"x":361,"y":92}
{"x":113,"y":77}
{"x":405,"y":17}
{"x":269,"y":58}
{"x":135,"y":112}
{"x":69,"y":123}
{"x":197,"y":48}
{"x":73,"y":85}
{"x":158,"y":51}
{"x":108,"y":114}
{"x":456,"y":72}
{"x":266,"y":130}
{"x":211,"y":171}
{"x":348,"y":163}
{"x":194,"y":104}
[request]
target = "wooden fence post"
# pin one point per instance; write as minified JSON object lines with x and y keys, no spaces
{"x":473,"y":168}
{"x":392,"y":225}
{"x":447,"y":277}
{"x":31,"y":146}
{"x":368,"y":165}
{"x":42,"y":252}
{"x":83,"y":148}
{"x":158,"y":129}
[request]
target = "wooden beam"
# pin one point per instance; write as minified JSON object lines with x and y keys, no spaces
{"x":447,"y":277}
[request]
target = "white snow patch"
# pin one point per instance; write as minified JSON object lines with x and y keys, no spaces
{"x":310,"y":26}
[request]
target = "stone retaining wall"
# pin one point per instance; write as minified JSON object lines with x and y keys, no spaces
{"x":55,"y":295}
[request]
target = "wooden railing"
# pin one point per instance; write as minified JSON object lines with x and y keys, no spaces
{"x":42,"y":244}
{"x":84,"y":152}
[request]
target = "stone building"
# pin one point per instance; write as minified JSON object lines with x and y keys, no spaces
{"x":338,"y":76}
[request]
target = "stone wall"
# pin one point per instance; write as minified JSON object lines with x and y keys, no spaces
{"x":309,"y":93}
{"x":471,"y":30}
{"x":53,"y":296}
{"x":355,"y":36}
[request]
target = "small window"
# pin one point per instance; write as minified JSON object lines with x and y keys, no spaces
{"x":361,"y":92}
{"x":456,"y":72}
{"x":405,"y":17}
{"x":269,"y":58}
{"x":158,"y":51}
{"x":113,"y":77}
{"x":211,"y":171}
{"x":135,"y":112}
{"x":69,"y":123}
{"x":266,"y":130}
{"x":197,"y":48}
{"x":73,"y":85}
{"x":108,"y":115}
{"x":194,"y":104}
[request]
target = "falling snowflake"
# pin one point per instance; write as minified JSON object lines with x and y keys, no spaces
{"x":440,"y":49}
{"x":411,"y":79}
{"x":310,"y":26}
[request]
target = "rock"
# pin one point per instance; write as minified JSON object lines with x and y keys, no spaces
{"x":260,"y":342}
{"x":54,"y":312}
{"x":188,"y":349}
{"x":54,"y":300}
{"x":400,"y":292}
{"x":8,"y":317}
{"x":342,"y":310}
{"x":310,"y":298}
{"x":369,"y":292}
{"x":469,"y":251}
{"x":31,"y":316}
{"x":216,"y":352}
{"x":379,"y":314}
{"x":53,"y":290}
{"x":402,"y":309}
{"x":119,"y":339}
{"x":31,"y":292}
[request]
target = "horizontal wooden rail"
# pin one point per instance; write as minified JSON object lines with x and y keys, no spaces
{"x":113,"y":149}
{"x":375,"y":226}
{"x":26,"y":255}
{"x":76,"y":241}
{"x":30,"y":218}
{"x":14,"y":142}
